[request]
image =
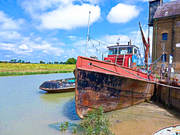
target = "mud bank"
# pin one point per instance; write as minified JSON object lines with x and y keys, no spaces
{"x":142,"y":119}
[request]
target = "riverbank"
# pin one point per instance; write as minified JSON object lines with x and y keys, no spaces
{"x":14,"y":69}
{"x":142,"y":119}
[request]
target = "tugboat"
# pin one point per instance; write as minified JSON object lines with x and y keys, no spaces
{"x":113,"y":83}
{"x":56,"y":86}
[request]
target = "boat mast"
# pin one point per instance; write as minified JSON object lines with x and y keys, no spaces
{"x":146,"y":46}
{"x":87,"y":42}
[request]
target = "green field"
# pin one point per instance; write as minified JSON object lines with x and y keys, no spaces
{"x":9,"y":69}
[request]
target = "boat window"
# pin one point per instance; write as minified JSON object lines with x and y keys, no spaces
{"x":112,"y":51}
{"x":125,"y":50}
{"x":135,"y":51}
{"x":129,"y":49}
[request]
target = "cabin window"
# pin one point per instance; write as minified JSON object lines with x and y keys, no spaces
{"x":164,"y":36}
{"x":112,"y":51}
{"x":129,"y":49}
{"x":115,"y":50}
{"x":125,"y":50}
{"x":135,"y":51}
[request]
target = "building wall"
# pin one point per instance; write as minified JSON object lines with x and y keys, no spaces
{"x":177,"y":39}
{"x":166,"y":25}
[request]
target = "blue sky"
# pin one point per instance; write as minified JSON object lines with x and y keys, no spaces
{"x":54,"y":30}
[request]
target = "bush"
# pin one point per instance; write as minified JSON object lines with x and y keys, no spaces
{"x":95,"y":123}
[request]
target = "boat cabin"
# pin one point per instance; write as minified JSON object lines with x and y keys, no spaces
{"x":124,"y":55}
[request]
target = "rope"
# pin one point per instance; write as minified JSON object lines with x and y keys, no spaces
{"x":119,"y":73}
{"x":156,"y":60}
{"x":132,"y":73}
{"x":169,"y":86}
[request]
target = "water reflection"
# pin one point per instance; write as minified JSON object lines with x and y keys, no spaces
{"x":55,"y":97}
{"x":55,"y":126}
{"x":69,"y":110}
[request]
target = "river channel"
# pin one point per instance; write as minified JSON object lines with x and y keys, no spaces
{"x":26,"y":110}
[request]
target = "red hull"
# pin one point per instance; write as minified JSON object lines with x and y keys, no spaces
{"x":99,"y":83}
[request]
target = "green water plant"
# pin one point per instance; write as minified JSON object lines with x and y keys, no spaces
{"x":96,"y":123}
{"x":64,"y":126}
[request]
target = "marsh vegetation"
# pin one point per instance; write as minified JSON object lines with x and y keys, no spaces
{"x":8,"y":69}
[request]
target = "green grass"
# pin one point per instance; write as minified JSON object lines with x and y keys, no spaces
{"x":13,"y":69}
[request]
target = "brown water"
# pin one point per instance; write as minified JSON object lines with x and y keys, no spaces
{"x":26,"y":110}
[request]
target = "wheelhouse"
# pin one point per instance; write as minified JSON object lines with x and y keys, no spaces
{"x":125,"y":55}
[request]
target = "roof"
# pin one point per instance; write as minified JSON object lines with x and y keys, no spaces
{"x":118,"y":46}
{"x":168,"y":9}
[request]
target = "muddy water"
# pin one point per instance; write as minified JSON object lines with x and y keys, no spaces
{"x":142,"y":119}
{"x":26,"y":110}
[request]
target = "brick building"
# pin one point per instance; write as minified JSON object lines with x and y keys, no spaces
{"x":166,"y":29}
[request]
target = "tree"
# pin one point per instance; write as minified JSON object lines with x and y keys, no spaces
{"x":13,"y":61}
{"x":71,"y":61}
{"x":19,"y":61}
{"x":56,"y":62}
{"x":42,"y":62}
{"x":62,"y":62}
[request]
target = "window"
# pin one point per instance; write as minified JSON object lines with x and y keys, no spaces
{"x":129,"y":49}
{"x":165,"y":36}
{"x":112,"y":51}
{"x":135,"y":51}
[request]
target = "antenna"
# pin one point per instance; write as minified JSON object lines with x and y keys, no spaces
{"x":87,"y":42}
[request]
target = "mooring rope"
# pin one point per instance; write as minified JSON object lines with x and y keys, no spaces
{"x":132,"y":73}
{"x":118,"y":72}
{"x":154,"y":82}
{"x":169,"y":86}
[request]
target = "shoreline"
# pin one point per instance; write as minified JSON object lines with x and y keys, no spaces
{"x":17,"y":69}
{"x":31,"y":73}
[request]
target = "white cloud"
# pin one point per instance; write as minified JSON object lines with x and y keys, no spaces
{"x":7,"y":23}
{"x":70,"y":17}
{"x":62,"y":14}
{"x":29,"y":45}
{"x":23,"y":47}
{"x":94,"y":48}
{"x":9,"y":35}
{"x":72,"y":37}
{"x":122,"y":13}
{"x":113,"y":39}
{"x":47,"y":48}
{"x":36,"y":7}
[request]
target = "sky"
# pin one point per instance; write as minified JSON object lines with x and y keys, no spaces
{"x":55,"y":30}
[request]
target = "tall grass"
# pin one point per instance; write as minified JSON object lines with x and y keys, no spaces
{"x":9,"y":69}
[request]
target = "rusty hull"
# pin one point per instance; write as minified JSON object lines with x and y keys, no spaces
{"x":112,"y":92}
